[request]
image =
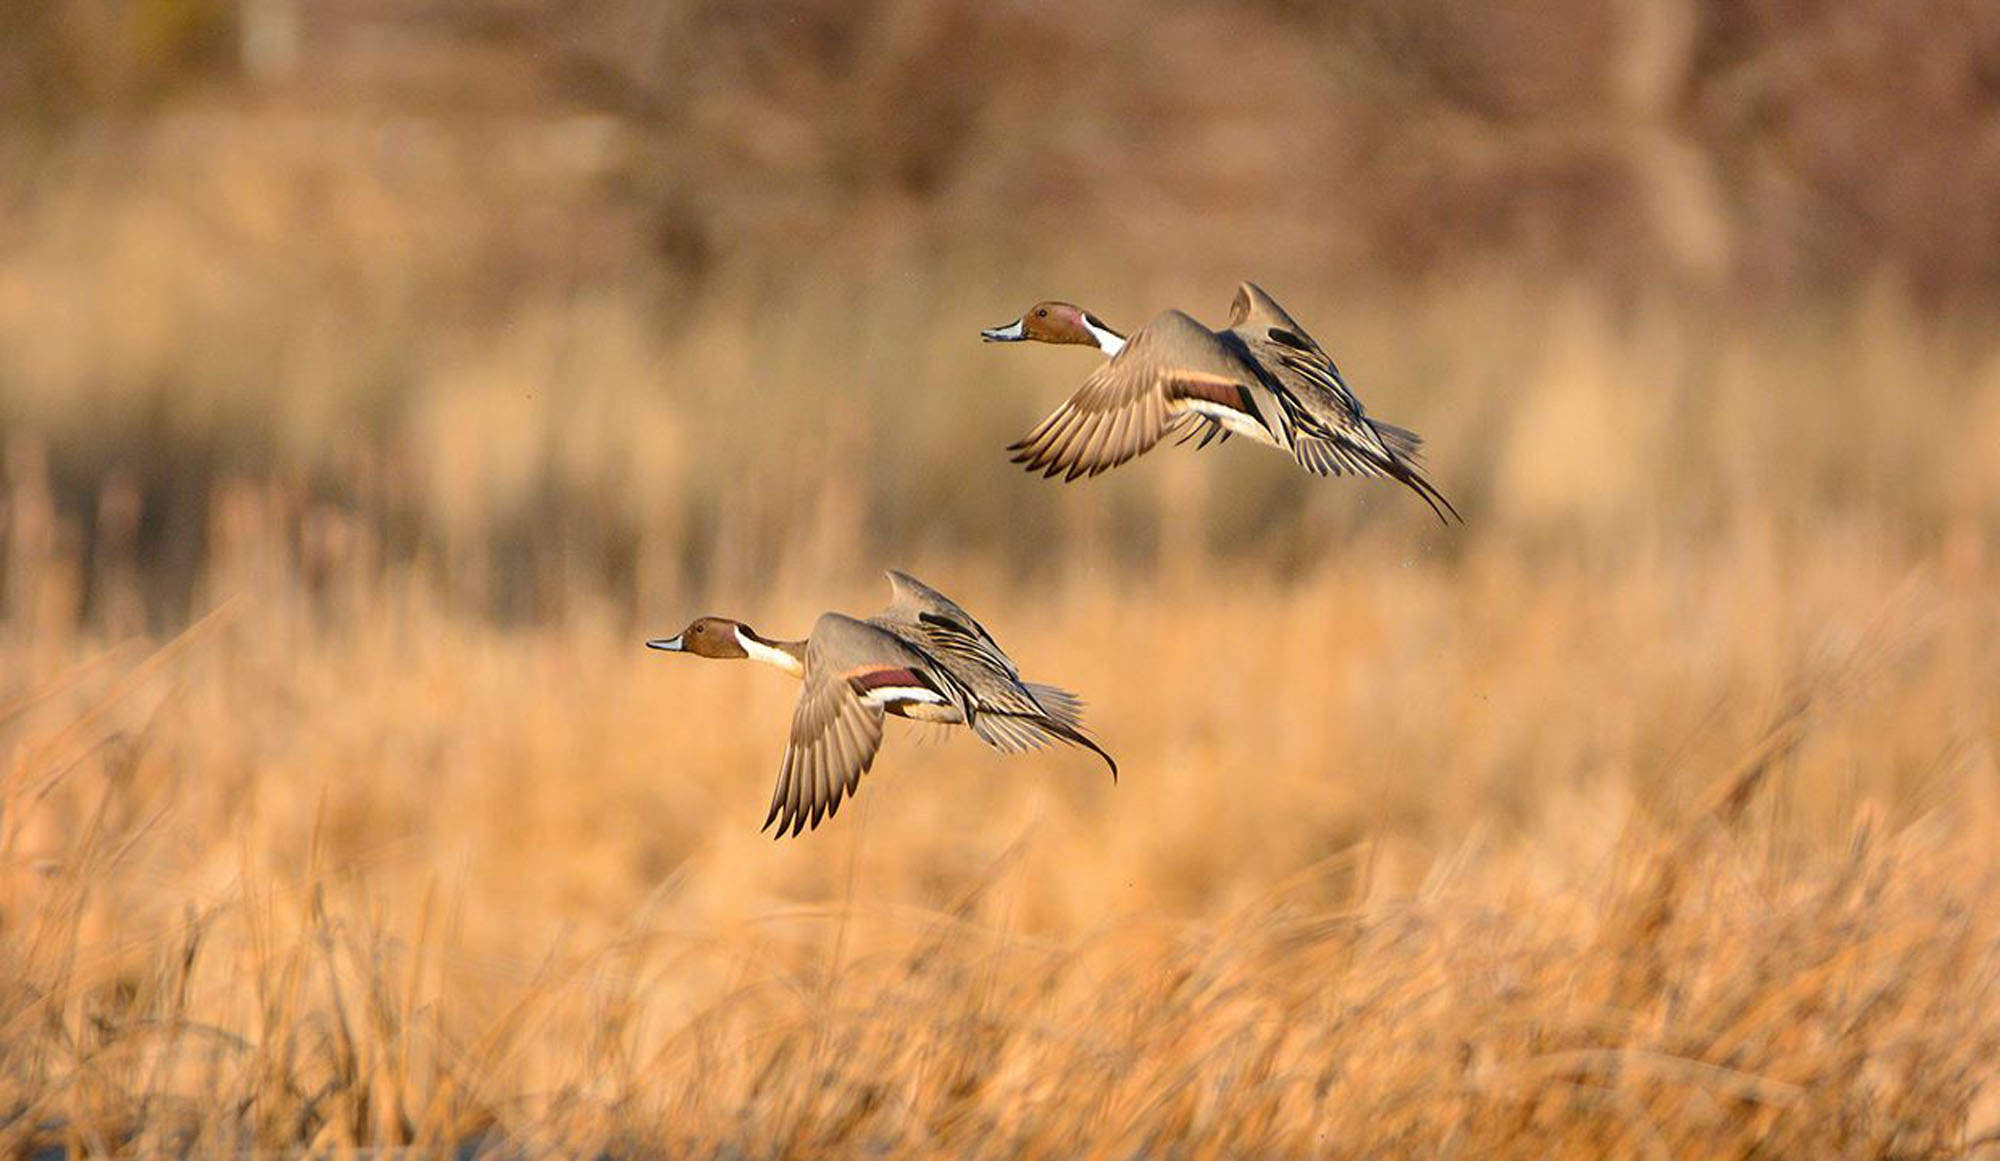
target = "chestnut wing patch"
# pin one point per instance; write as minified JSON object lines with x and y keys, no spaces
{"x":888,"y":678}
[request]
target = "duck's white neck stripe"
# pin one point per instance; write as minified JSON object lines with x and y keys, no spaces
{"x":759,"y":651}
{"x":1107,"y":342}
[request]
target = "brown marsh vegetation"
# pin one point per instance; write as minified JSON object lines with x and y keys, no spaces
{"x":374,"y":380}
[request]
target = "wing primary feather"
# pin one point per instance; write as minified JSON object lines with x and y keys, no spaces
{"x":778,"y":796}
{"x":781,"y":803}
{"x":819,"y":794}
{"x":1048,"y":458}
{"x":796,"y":805}
{"x":1111,"y":447}
{"x":1073,"y":446}
{"x":867,"y":754}
{"x":831,"y":777}
{"x":850,"y":749}
{"x":1045,"y":441}
{"x":1088,"y":450}
{"x":1062,"y":442}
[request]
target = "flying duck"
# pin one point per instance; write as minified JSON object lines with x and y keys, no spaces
{"x":1264,"y":379}
{"x":923,"y":658}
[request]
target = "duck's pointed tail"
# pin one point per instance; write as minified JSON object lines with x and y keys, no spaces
{"x":1392,"y":452}
{"x":1014,"y":733}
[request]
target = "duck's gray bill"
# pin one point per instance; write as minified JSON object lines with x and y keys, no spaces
{"x":1013,"y":332}
{"x":670,"y":644}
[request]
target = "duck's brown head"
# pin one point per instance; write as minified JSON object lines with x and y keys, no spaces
{"x":707,"y":637}
{"x":1056,"y":322}
{"x":731,"y":641}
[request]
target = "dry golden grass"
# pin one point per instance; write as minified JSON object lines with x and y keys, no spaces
{"x":1689,"y":853}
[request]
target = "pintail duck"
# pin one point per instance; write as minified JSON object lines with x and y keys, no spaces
{"x":922,"y":658}
{"x":1264,"y":379}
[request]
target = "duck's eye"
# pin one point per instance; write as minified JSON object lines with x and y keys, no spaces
{"x":1043,"y":313}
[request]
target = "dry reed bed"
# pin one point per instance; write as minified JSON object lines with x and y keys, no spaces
{"x":1686,"y":853}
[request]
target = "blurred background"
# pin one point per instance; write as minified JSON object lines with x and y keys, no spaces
{"x":374,"y":376}
{"x":642,"y":302}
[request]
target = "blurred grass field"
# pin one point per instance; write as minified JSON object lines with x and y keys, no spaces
{"x":365,"y":403}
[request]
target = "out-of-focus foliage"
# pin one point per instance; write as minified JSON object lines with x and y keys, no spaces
{"x":62,"y":63}
{"x":478,"y":271}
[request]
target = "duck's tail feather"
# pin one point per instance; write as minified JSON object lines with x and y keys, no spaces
{"x":1015,"y":733}
{"x":1061,"y":704}
{"x":1405,"y":459}
{"x":1406,"y":474}
{"x":1394,"y":456}
{"x":1009,"y":734}
{"x":1402,"y":443}
{"x":1076,"y":737}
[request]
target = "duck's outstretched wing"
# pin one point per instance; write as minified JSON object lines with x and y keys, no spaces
{"x":1128,"y":403}
{"x":972,"y":660}
{"x":1332,"y":432}
{"x":1254,"y":309}
{"x":837,"y":724}
{"x":1008,"y":713}
{"x":940,"y":626}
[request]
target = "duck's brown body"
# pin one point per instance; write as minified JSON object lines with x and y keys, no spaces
{"x":922,"y":658}
{"x":1263,"y":378}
